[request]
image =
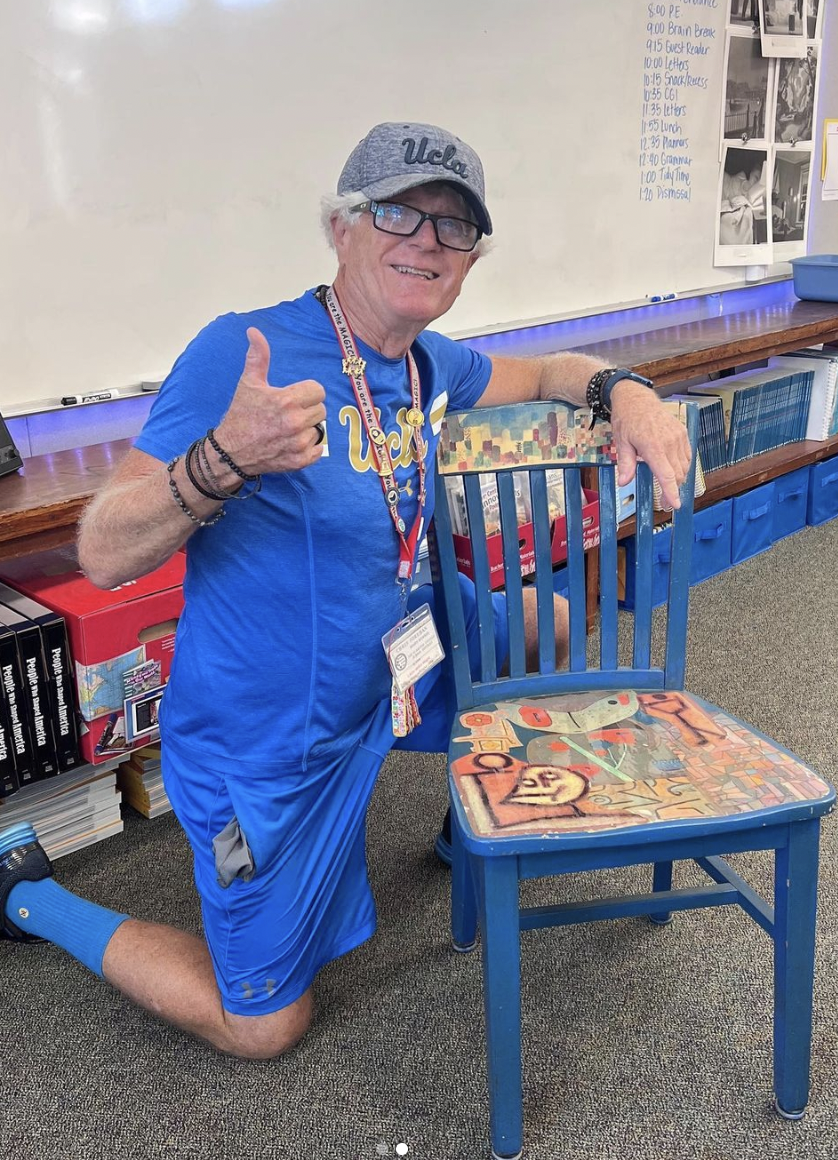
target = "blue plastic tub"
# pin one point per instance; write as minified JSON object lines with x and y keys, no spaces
{"x":816,"y":276}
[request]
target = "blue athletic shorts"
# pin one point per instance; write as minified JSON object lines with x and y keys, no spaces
{"x":291,"y":849}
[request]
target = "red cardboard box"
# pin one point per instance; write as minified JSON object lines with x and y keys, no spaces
{"x":128,"y":629}
{"x":558,"y":543}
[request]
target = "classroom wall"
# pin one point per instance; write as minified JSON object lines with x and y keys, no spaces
{"x":163,"y":161}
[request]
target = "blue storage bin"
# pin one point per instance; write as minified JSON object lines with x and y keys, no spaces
{"x":561,"y":584}
{"x":626,"y":501}
{"x":753,"y":522}
{"x":790,"y":495}
{"x":661,"y":553}
{"x":822,"y":502}
{"x":816,"y":276}
{"x":711,"y":541}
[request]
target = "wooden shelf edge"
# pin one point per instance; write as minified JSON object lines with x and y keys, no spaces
{"x":666,"y":371}
{"x":25,"y":524}
{"x":763,"y":468}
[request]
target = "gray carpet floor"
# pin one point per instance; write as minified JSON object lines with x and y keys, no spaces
{"x":638,"y":1042}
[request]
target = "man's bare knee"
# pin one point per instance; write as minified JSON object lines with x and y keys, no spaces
{"x":267,"y":1036}
{"x":561,"y":626}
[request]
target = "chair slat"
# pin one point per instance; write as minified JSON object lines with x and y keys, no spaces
{"x":607,"y":486}
{"x":452,"y":627}
{"x":575,"y":571}
{"x":482,"y":583}
{"x":512,"y":572}
{"x":679,"y":572}
{"x":543,"y":571}
{"x":643,"y":569}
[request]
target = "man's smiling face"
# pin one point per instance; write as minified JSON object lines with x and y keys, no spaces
{"x":405,"y":281}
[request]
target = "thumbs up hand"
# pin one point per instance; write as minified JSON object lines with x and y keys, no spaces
{"x":271,"y":428}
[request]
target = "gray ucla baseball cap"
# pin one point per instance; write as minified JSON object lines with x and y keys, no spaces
{"x":399,"y":155}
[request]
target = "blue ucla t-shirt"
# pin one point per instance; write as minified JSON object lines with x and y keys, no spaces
{"x":278,"y":659}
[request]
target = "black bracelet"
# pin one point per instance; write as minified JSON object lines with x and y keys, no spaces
{"x":197,"y":477}
{"x":601,"y":387}
{"x":595,"y":397}
{"x":179,"y":500}
{"x":209,"y":477}
{"x":225,"y":458}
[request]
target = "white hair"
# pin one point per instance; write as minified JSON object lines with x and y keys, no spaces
{"x":340,"y":205}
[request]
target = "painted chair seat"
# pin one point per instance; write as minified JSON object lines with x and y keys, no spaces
{"x":614,"y":759}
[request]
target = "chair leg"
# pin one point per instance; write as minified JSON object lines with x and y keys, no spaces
{"x":463,"y":901}
{"x":795,"y":905}
{"x":661,"y":880}
{"x":501,"y":942}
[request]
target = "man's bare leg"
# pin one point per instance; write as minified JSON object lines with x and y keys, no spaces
{"x":170,"y":974}
{"x":165,"y":970}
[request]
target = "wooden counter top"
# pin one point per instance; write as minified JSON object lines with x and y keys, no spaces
{"x":710,"y":344}
{"x":40,"y":505}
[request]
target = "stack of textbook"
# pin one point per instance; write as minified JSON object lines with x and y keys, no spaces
{"x":762,"y":409}
{"x":823,"y":408}
{"x":70,"y":811}
{"x":712,"y":440}
{"x":141,"y":782}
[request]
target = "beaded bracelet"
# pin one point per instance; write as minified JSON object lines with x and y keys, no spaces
{"x":179,"y":500}
{"x":197,"y":476}
{"x":225,"y":458}
{"x":209,"y":477}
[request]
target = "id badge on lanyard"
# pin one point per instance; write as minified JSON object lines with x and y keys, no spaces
{"x":413,"y":648}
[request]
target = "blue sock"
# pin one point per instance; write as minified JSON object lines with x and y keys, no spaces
{"x":82,"y":928}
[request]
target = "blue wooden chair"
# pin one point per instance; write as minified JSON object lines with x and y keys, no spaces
{"x":601,"y":766}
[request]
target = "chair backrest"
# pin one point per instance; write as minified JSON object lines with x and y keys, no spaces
{"x":516,"y":446}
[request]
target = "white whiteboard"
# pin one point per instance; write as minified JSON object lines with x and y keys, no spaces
{"x":162,"y":162}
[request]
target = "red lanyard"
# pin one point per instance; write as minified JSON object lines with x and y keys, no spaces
{"x":354,"y":366}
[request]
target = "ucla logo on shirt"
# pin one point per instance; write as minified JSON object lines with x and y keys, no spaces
{"x":399,"y":442}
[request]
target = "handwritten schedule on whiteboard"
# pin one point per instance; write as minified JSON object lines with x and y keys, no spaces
{"x":683,"y":44}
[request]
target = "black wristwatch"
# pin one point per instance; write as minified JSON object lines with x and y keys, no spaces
{"x":601,"y":386}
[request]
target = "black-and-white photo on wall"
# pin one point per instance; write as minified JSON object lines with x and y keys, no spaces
{"x":794,"y":102}
{"x":783,"y":27}
{"x":747,"y":90}
{"x":814,"y":19}
{"x":743,"y":223}
{"x":791,"y":174}
{"x":744,"y":13}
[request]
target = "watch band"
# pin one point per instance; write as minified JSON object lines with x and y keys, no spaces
{"x":617,"y":377}
{"x":601,"y":386}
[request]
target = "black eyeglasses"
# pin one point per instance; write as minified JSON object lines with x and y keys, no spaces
{"x":391,"y":218}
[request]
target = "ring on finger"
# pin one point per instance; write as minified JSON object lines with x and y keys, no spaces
{"x":320,"y":428}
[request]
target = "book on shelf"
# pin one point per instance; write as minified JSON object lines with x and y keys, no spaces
{"x":678,"y":407}
{"x":140,"y":781}
{"x":75,"y":809}
{"x":34,"y":756}
{"x":822,"y":419}
{"x":762,"y":409}
{"x":59,"y":698}
{"x":712,"y":441}
{"x":15,"y":746}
